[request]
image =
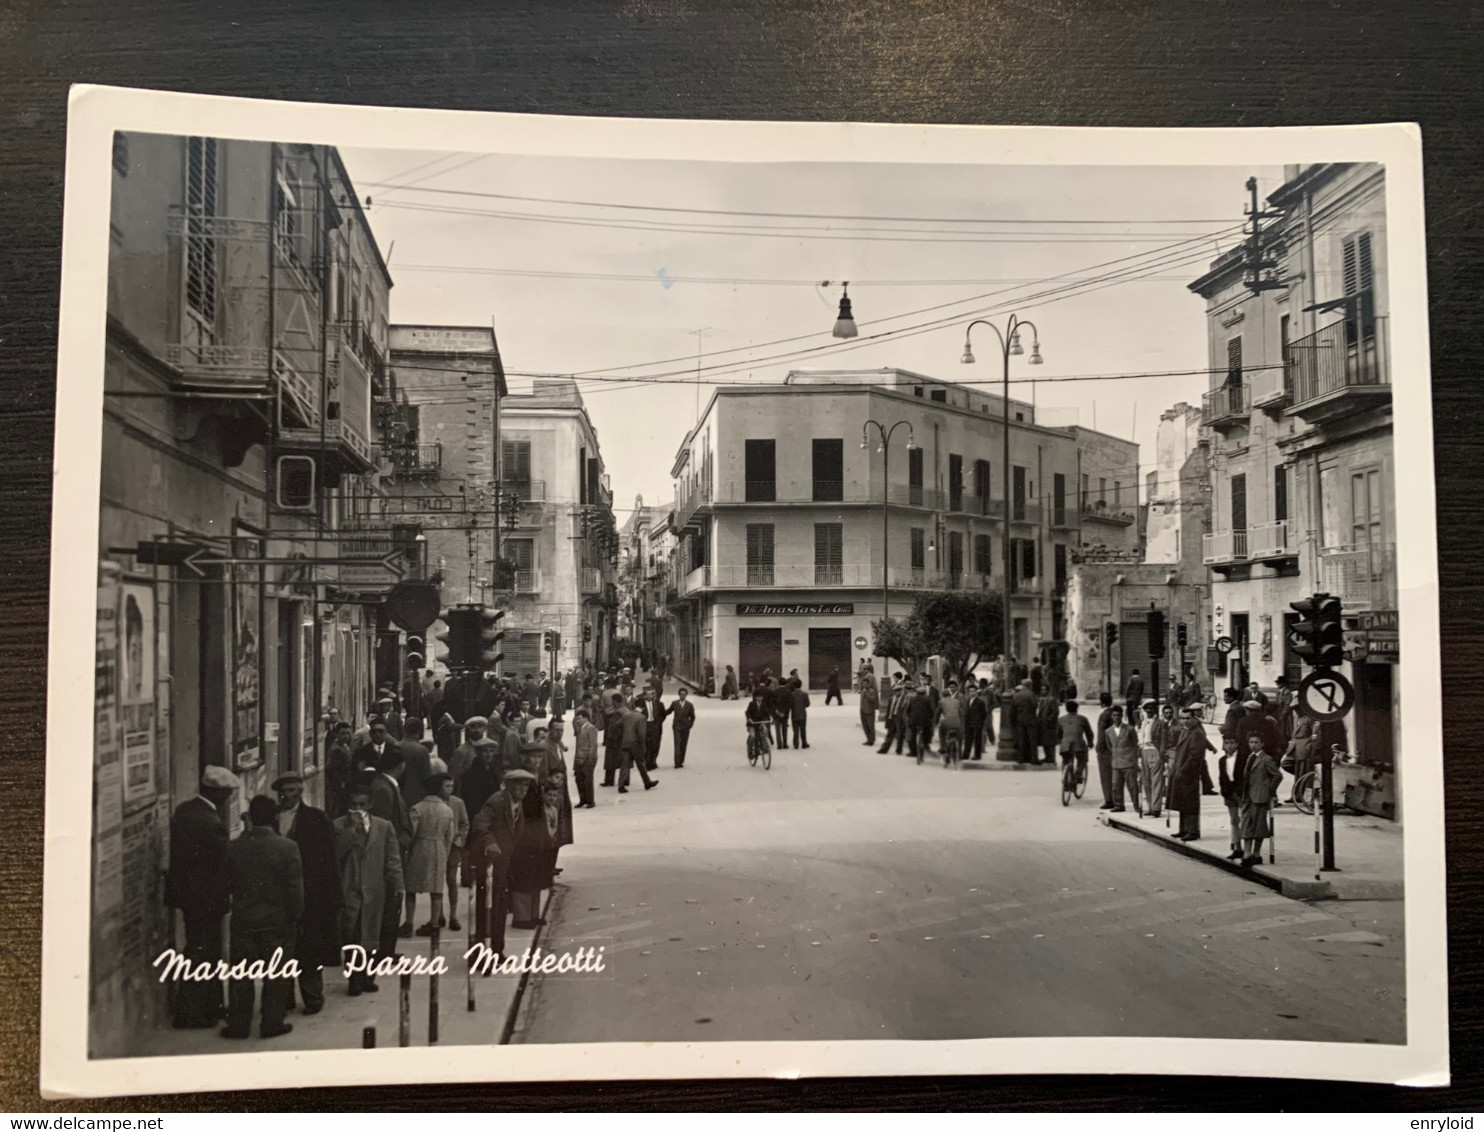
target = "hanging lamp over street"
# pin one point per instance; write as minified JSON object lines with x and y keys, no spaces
{"x":845,"y":324}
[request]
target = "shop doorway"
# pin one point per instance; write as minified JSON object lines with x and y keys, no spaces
{"x":829,"y":650}
{"x":1375,"y":742}
{"x":759,"y":649}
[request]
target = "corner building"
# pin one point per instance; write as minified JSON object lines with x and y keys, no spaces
{"x":793,"y":539}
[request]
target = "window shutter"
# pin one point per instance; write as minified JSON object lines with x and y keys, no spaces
{"x":828,"y":544}
{"x":914,"y":467}
{"x":1239,"y":503}
{"x":1350,"y":270}
{"x":919,"y":555}
{"x":1233,"y":361}
{"x":1363,"y":261}
{"x":1028,"y":549}
{"x":1280,"y":492}
{"x":759,"y":544}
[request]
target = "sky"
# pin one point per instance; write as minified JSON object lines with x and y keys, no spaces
{"x":608,"y":270}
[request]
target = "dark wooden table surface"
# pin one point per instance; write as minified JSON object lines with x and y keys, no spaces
{"x":1036,"y":62}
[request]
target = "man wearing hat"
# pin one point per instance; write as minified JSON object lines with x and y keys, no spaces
{"x":196,"y":883}
{"x":493,"y":836}
{"x":318,"y":941}
{"x":370,"y":864}
{"x":462,"y":757}
{"x":370,"y":753}
{"x":267,"y":900}
{"x":387,"y":803}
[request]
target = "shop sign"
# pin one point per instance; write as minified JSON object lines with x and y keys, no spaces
{"x":833,"y":609}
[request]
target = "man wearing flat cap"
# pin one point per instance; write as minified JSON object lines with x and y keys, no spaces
{"x":197,"y":883}
{"x":317,"y":943}
{"x":492,"y":837}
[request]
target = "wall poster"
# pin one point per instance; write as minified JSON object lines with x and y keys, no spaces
{"x":246,"y":658}
{"x":136,"y":678}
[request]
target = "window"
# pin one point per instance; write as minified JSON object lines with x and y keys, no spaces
{"x":917,"y":391}
{"x":939,"y":395}
{"x":1086,"y":490}
{"x":982,"y":486}
{"x":829,"y":470}
{"x":1059,"y":555}
{"x":760,"y":553}
{"x":1359,"y":279}
{"x":919,"y":550}
{"x":582,"y":498}
{"x":1102,"y":490}
{"x":1280,"y":492}
{"x":515,"y":462}
{"x":121,"y":153}
{"x":760,"y":457}
{"x":200,"y":247}
{"x":955,"y":482}
{"x":914,"y":477}
{"x":829,"y":567}
{"x":1234,"y":361}
{"x":1022,"y":563}
{"x":1059,"y":499}
{"x":1117,"y":494}
{"x":1239,"y":503}
{"x":983,"y":555}
{"x":1017,"y":492}
{"x":955,"y":559}
{"x":1365,"y":507}
{"x":522,"y":552}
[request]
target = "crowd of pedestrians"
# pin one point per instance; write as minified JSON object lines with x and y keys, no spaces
{"x":452,"y":789}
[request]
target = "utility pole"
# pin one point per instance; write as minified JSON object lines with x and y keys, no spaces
{"x":699,"y":333}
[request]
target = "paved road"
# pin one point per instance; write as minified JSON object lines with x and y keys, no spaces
{"x":845,"y":894}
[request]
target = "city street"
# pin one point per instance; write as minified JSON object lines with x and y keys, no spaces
{"x":845,"y":894}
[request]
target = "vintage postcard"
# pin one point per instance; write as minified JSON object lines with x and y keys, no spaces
{"x":596,"y":599}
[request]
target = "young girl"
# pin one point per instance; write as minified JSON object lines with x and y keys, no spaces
{"x":433,"y":830}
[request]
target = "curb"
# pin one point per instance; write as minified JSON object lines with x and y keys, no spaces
{"x":1255,"y":874}
{"x":512,"y":1011}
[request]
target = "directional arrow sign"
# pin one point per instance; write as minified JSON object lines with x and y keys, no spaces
{"x":199,"y":560}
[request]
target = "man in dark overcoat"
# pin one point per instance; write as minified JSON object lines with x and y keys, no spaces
{"x":317,"y":943}
{"x":196,"y":883}
{"x":267,"y":884}
{"x":493,"y":835}
{"x":682,"y":719}
{"x":1026,"y":723}
{"x":388,"y":804}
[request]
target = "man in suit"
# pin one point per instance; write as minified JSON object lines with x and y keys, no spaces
{"x":370,"y":753}
{"x":896,"y":727}
{"x":388,"y":804}
{"x":369,"y":861}
{"x":267,"y":885}
{"x":975,"y":716}
{"x":1123,"y":751}
{"x":1025,"y":720}
{"x":1133,"y":692}
{"x":634,"y":750}
{"x":196,"y":883}
{"x":870,"y":702}
{"x":782,"y":702}
{"x":682,"y":719}
{"x":492,"y":837}
{"x":1105,"y":757}
{"x":317,"y":942}
{"x":919,"y":717}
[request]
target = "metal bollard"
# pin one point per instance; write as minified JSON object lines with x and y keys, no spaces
{"x":433,"y":940}
{"x":404,"y":1012}
{"x":368,"y":1037}
{"x":1272,"y":834}
{"x":469,"y":966}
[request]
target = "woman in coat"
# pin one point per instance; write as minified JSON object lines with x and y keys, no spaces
{"x":434,"y":830}
{"x":1260,"y":780}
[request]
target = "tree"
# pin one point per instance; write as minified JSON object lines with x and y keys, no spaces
{"x":962,"y":628}
{"x":896,"y":640}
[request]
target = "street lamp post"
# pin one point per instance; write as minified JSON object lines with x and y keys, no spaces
{"x":1009,"y":340}
{"x":884,"y":447}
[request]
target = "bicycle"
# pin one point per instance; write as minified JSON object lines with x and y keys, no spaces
{"x":759,"y":746}
{"x":952,"y":749}
{"x":1073,"y":780}
{"x":1306,"y":787}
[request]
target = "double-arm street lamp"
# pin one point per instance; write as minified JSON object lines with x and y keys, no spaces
{"x":884,"y":447}
{"x":1009,"y":340}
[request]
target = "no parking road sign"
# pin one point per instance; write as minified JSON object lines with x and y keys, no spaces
{"x":1325,"y":696}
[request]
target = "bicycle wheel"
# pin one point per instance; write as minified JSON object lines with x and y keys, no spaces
{"x":1081,"y":787}
{"x":752,"y":752}
{"x":1068,"y":783}
{"x":1304,"y":791}
{"x":767,"y":756}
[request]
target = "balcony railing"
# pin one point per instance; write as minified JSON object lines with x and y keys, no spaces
{"x":1269,"y":540}
{"x":761,"y":491}
{"x":1106,"y":513}
{"x":1363,"y":577}
{"x":527,"y":581}
{"x":828,"y":491}
{"x":1062,"y":516}
{"x":416,"y":461}
{"x":1226,"y":403}
{"x":527,"y":491}
{"x":697,"y":579}
{"x":1346,"y":355}
{"x":1022,"y":511}
{"x":590,"y":580}
{"x":1224,"y":547}
{"x":688,"y":503}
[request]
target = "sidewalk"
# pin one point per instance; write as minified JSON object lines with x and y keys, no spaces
{"x":1368,"y":850}
{"x":340,"y":1025}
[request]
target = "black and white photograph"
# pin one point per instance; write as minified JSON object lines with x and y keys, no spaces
{"x":636,"y":599}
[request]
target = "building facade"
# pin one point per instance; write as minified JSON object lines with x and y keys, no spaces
{"x":246,"y":337}
{"x":1302,"y":464}
{"x":646,"y":583}
{"x":796,"y":532}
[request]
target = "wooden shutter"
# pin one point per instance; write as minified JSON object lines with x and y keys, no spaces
{"x":955,"y":482}
{"x":1239,"y":503}
{"x":1060,"y":552}
{"x":919,"y":552}
{"x":829,"y":470}
{"x":983,"y":555}
{"x":914,"y":467}
{"x":828,"y":544}
{"x":1280,"y":492}
{"x":760,"y":544}
{"x":1234,"y":361}
{"x":515,"y":461}
{"x":955,"y":554}
{"x":761,"y":461}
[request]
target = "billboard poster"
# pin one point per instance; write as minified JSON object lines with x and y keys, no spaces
{"x":136,"y":682}
{"x":246,"y":655}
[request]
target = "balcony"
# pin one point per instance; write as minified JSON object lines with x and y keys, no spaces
{"x":1224,"y":548}
{"x":1363,"y":577}
{"x":1024,"y":512}
{"x":1226,"y":405}
{"x":697,"y":580}
{"x":1062,"y":517}
{"x":345,"y":433}
{"x":1267,"y":542}
{"x":590,"y":580}
{"x":687,"y":505}
{"x":528,"y":581}
{"x":526,"y":491}
{"x":1339,"y":370}
{"x":415,"y":461}
{"x":1101,"y":512}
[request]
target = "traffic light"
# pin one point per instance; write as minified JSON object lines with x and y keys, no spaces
{"x":491,"y":635}
{"x":417,"y":651}
{"x":1156,"y":634}
{"x":462,"y":637}
{"x":1318,"y":637}
{"x":587,"y":631}
{"x":1111,"y":632}
{"x":551,"y":640}
{"x":1180,"y":637}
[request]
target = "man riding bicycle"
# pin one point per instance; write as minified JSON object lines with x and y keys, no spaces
{"x":1075,"y":735}
{"x":759,"y":714}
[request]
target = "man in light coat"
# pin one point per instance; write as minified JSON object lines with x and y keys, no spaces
{"x":370,"y":864}
{"x":1123,"y":750}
